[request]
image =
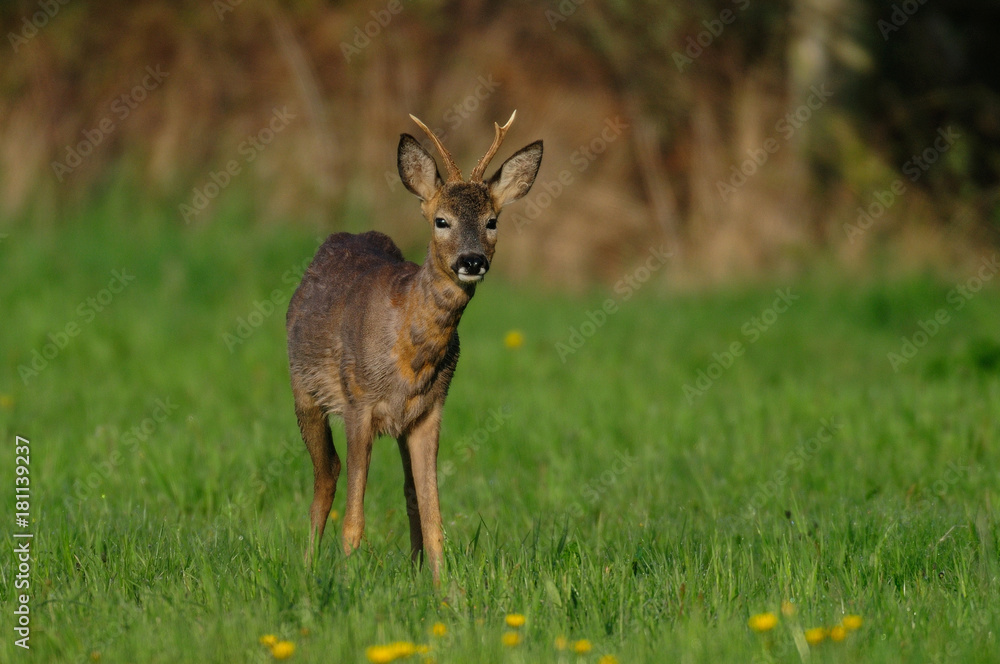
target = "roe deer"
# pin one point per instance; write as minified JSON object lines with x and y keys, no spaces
{"x":372,"y":337}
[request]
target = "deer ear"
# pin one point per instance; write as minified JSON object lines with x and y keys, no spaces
{"x":515,"y":177}
{"x":417,"y":169}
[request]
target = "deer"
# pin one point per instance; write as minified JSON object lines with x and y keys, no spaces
{"x":373,"y":338}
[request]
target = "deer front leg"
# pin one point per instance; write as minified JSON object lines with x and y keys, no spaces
{"x":412,"y":505}
{"x":359,"y":454}
{"x":422,"y":441}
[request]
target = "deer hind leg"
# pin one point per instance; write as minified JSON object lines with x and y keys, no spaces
{"x":359,"y":455}
{"x":315,"y":430}
{"x":412,"y":505}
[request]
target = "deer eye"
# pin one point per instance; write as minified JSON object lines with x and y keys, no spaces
{"x":491,"y":224}
{"x":441,"y":223}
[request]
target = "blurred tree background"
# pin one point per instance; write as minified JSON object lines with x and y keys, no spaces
{"x":750,"y":137}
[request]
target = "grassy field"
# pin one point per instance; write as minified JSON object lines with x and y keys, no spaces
{"x":694,"y":461}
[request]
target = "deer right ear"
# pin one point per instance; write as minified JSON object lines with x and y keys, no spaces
{"x":417,"y":169}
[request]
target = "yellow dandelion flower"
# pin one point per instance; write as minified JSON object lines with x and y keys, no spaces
{"x":608,"y":659}
{"x":380,"y":654}
{"x":515,"y":620}
{"x":403,"y":648}
{"x":763,"y":622}
{"x":513,"y":339}
{"x":283,"y":650}
{"x":838,"y":633}
{"x":439,"y":629}
{"x":268,"y":640}
{"x":423,"y":649}
{"x":582,"y":646}
{"x":511,"y":639}
{"x":851,"y":622}
{"x":787,"y":609}
{"x":561,"y":643}
{"x":391,"y":652}
{"x":815,"y":635}
{"x":334,"y":516}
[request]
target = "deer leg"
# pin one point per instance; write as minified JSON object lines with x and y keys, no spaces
{"x":412,"y":505}
{"x":423,"y":443}
{"x":315,"y":430}
{"x":359,"y":455}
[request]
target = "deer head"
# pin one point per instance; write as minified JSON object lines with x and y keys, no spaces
{"x":463,"y":213}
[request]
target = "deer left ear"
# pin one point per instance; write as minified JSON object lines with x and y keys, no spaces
{"x":514,"y":179}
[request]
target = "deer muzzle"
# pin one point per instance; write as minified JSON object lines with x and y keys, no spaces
{"x":471,"y":267}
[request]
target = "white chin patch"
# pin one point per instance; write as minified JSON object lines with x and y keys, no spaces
{"x":465,"y":277}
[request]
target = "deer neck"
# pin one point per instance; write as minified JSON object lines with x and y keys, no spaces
{"x":437,"y":293}
{"x":435,"y":304}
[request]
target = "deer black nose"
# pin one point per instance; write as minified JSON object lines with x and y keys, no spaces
{"x":472,"y":265}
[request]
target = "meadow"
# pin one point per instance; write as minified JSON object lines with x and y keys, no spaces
{"x":691,"y":461}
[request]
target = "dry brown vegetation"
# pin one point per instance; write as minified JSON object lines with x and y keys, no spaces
{"x":672,"y":131}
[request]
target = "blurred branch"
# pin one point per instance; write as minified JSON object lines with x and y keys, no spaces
{"x":646,"y":138}
{"x":306,"y":82}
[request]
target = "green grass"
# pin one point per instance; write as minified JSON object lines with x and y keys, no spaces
{"x":593,"y":495}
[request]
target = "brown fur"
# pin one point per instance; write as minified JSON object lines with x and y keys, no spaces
{"x":373,"y":338}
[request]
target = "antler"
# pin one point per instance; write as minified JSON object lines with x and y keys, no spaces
{"x":454,"y":175}
{"x":477,"y":172}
